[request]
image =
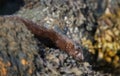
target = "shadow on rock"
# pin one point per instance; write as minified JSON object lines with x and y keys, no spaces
{"x":8,"y":7}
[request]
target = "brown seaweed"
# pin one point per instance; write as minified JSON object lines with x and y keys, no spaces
{"x":61,"y":41}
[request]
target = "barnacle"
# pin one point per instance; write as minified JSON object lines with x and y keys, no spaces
{"x":107,"y":39}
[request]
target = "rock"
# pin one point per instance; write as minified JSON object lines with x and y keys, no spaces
{"x":18,"y":49}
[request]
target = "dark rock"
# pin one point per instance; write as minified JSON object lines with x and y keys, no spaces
{"x":2,"y":2}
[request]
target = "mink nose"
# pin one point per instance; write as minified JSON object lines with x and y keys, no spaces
{"x":79,"y":57}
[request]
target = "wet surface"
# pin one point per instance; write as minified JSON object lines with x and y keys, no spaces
{"x":75,"y":19}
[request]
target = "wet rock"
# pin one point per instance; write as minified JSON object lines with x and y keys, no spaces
{"x":76,"y":19}
{"x":18,"y":49}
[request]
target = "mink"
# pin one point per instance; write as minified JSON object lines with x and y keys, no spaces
{"x":61,"y":41}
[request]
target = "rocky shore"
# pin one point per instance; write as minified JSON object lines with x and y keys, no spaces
{"x":23,"y":54}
